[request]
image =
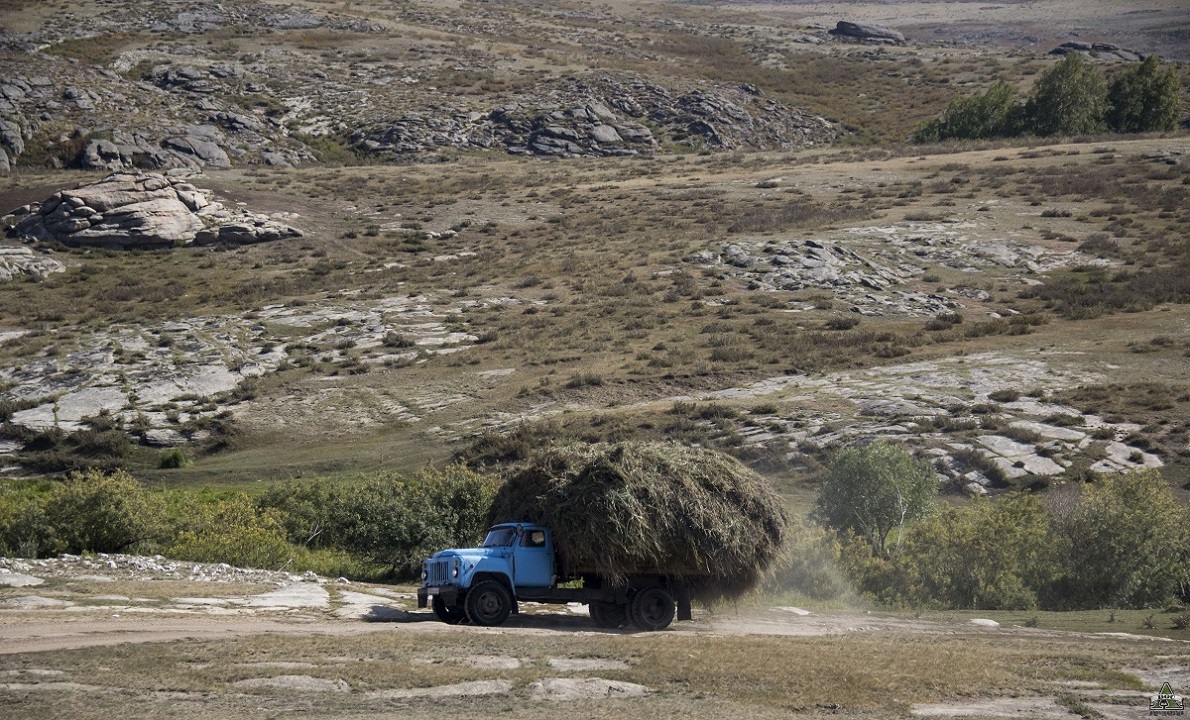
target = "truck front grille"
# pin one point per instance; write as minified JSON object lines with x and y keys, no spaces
{"x":438,"y":572}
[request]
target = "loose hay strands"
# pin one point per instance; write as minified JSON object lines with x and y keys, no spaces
{"x":625,"y":508}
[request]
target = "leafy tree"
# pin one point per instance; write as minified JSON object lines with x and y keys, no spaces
{"x":1069,"y":99}
{"x":991,"y":114}
{"x":988,"y":555}
{"x":1144,"y":97}
{"x":873,"y":490}
{"x":1129,"y":544}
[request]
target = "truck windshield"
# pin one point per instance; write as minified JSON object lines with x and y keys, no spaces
{"x":499,"y":537}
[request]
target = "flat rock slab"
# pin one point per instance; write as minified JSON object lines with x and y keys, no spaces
{"x":67,"y":687}
{"x":493,"y":662}
{"x":368,"y":607}
{"x":465,"y":689}
{"x":34,"y":601}
{"x":1018,"y":707}
{"x":1049,"y":431}
{"x":19,"y":580}
{"x":592,"y":688}
{"x":301,"y":683}
{"x":297,"y":595}
{"x":587,"y":664}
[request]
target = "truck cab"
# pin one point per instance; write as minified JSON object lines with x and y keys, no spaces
{"x":513,"y":557}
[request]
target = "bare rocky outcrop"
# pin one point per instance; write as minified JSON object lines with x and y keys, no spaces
{"x":194,"y":146}
{"x":867,"y":33}
{"x":143,"y":211}
{"x":1101,"y":50}
{"x":606,"y":116}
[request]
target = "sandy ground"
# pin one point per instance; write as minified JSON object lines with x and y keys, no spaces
{"x":1143,"y":25}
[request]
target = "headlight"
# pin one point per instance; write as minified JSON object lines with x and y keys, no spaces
{"x":425,"y":575}
{"x":454,"y":571}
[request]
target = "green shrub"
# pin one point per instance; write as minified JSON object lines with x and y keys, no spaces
{"x":1129,"y":544}
{"x":24,"y":528}
{"x":843,"y":322}
{"x":232,"y":531}
{"x":988,"y":555}
{"x":991,"y":114}
{"x":173,"y":458}
{"x":1005,"y":395}
{"x":101,"y":513}
{"x":303,"y":509}
{"x":397,"y":521}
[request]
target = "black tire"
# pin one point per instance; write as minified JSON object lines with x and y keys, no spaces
{"x":449,"y":614}
{"x":651,"y":608}
{"x":488,"y":603}
{"x":609,"y":614}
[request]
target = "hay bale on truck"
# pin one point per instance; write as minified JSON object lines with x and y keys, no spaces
{"x":640,"y":524}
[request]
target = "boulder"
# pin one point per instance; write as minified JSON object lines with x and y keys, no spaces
{"x":606,"y":135}
{"x":246,"y":232}
{"x":19,"y":261}
{"x":870,"y":33}
{"x":154,"y":223}
{"x":202,"y":142}
{"x":11,"y":137}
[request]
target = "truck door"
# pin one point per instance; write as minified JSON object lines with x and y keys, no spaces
{"x":533,"y":560}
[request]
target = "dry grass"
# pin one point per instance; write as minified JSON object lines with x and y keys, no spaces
{"x":700,"y":676}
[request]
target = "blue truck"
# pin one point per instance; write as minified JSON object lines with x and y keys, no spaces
{"x":518,"y":563}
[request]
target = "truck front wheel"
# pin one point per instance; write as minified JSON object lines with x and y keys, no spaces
{"x":651,"y":608}
{"x":609,"y":614}
{"x":449,"y":614}
{"x":488,"y":603}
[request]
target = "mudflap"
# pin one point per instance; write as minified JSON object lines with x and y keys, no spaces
{"x":683,"y":597}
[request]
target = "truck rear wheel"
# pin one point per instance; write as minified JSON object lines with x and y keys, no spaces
{"x":449,"y":614}
{"x":609,"y":614}
{"x":488,"y":603}
{"x":651,"y":608}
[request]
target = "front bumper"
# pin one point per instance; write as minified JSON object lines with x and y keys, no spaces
{"x":448,"y":593}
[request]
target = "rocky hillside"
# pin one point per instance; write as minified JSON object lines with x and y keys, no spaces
{"x":122,"y":86}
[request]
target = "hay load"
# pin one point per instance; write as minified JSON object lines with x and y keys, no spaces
{"x":616,"y":509}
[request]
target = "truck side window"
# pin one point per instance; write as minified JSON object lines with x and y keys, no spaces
{"x":534,"y":539}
